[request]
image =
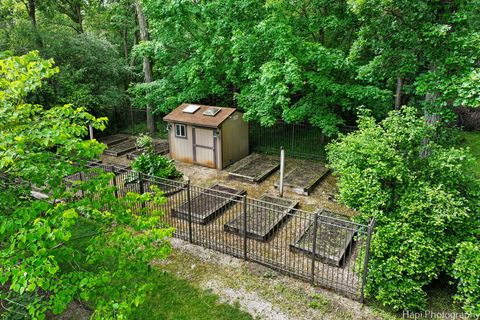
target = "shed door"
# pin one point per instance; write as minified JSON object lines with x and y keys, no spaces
{"x":204,"y":146}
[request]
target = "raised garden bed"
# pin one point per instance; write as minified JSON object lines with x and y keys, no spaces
{"x":333,"y":239}
{"x":208,"y":204}
{"x":121,"y":148}
{"x":113,"y":139}
{"x":263,"y":218}
{"x":161,"y":148}
{"x":256,"y":170}
{"x":304,"y":178}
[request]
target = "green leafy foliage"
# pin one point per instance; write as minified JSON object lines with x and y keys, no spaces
{"x":278,"y":60}
{"x":94,"y":72}
{"x":424,"y":206}
{"x":430,"y":45}
{"x":41,"y":201}
{"x":466,"y":270}
{"x":151,"y":163}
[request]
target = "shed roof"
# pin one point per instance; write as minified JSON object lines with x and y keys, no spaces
{"x":198,"y":118}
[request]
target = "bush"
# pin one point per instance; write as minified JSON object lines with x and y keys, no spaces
{"x":466,"y":270}
{"x":424,"y":205}
{"x":149,"y":162}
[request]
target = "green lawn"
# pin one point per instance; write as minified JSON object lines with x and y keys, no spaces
{"x":171,"y":298}
{"x":472,"y":140}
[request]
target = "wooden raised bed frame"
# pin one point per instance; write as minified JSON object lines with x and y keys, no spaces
{"x":304,"y":178}
{"x":333,"y":240}
{"x":263,"y":222}
{"x":121,"y":148}
{"x":256,"y":170}
{"x":161,"y":148}
{"x":113,"y":139}
{"x":208,"y":204}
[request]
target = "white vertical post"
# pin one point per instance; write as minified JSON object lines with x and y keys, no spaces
{"x":90,"y":131}
{"x":282,"y":169}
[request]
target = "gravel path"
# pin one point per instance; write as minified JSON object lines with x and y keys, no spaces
{"x":260,"y":291}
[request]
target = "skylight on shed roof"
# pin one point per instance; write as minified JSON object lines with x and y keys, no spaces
{"x":212,"y":111}
{"x":191,"y":108}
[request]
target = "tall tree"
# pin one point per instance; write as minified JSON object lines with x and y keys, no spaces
{"x":147,"y":63}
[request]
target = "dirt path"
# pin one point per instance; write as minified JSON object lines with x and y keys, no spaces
{"x":263,"y":293}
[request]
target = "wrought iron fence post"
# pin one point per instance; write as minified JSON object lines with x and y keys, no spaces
{"x":142,"y":188}
{"x":293,"y":140}
{"x":116,"y":118}
{"x":371,"y":226}
{"x":244,"y":227}
{"x":314,"y":245}
{"x":112,"y":168}
{"x":190,"y":231}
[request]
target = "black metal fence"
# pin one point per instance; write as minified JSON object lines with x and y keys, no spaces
{"x":299,"y":140}
{"x":318,"y":247}
{"x":129,"y":121}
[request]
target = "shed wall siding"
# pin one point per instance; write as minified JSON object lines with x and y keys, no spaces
{"x":234,"y":138}
{"x":180,"y":148}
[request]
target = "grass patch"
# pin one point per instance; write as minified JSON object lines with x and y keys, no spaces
{"x":170,"y":298}
{"x":472,"y":140}
{"x":174,"y":298}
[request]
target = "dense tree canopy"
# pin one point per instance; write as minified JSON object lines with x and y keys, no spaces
{"x":315,"y":61}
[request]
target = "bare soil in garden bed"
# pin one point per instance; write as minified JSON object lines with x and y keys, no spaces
{"x":262,"y":222}
{"x":121,"y":148}
{"x":113,"y":139}
{"x":257,"y":169}
{"x":333,"y":239}
{"x":208,"y":203}
{"x":304,"y":177}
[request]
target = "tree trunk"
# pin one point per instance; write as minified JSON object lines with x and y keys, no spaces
{"x":147,"y":64}
{"x":30,"y":5}
{"x":73,"y":10}
{"x":398,"y":93}
{"x":430,"y":117}
{"x":78,"y":13}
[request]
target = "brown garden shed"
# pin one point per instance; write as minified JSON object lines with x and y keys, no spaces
{"x":210,"y":136}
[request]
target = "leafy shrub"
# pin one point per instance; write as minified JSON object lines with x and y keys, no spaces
{"x":424,"y":205}
{"x":47,"y":259}
{"x":149,"y":162}
{"x":466,"y":270}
